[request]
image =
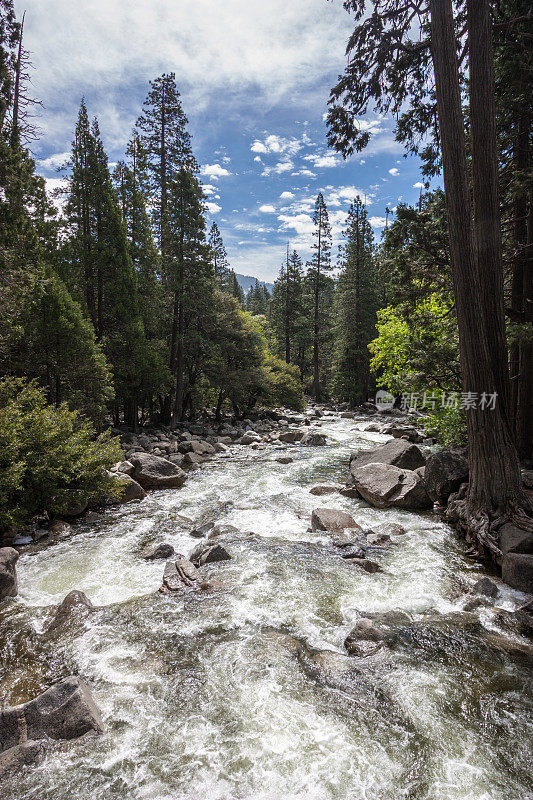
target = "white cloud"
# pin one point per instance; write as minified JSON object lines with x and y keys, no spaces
{"x":305,"y":172}
{"x":53,"y":162}
{"x":213,"y":208}
{"x":209,"y":189}
{"x":267,"y":209}
{"x":258,"y":158}
{"x":394,"y":171}
{"x":418,"y":185}
{"x":279,"y":145}
{"x":214,"y":171}
{"x":286,"y":196}
{"x":378,"y":222}
{"x":323,"y":161}
{"x":301,"y":223}
{"x":279,"y":168}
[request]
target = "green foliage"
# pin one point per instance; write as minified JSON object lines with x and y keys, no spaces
{"x":416,"y":347}
{"x":449,"y":426}
{"x":49,"y":456}
{"x":282,"y":384}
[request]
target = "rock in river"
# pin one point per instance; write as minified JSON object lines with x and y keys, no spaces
{"x":72,"y":608}
{"x":445,"y":472}
{"x":8,"y":572}
{"x":181,"y":576}
{"x":398,"y":452}
{"x":153,"y":472}
{"x":203,"y":554}
{"x":330,"y":519}
{"x":385,"y":486}
{"x":65,"y":711}
{"x":163,"y":550}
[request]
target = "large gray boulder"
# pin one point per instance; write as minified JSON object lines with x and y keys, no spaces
{"x":8,"y":572}
{"x":330,"y":519}
{"x":445,"y":472}
{"x":73,"y":608}
{"x":65,"y":711}
{"x":291,"y":436}
{"x":153,"y":472}
{"x":514,"y":539}
{"x":14,"y":758}
{"x":386,"y":486}
{"x":128,"y":488}
{"x":517,"y":571}
{"x":397,"y":452}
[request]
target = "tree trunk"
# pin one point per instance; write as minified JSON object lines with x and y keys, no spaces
{"x":494,"y":472}
{"x":316,"y":357}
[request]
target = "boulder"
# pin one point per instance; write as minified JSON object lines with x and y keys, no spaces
{"x":406,"y":432}
{"x":364,"y":563}
{"x":58,"y":526}
{"x":163,"y":550}
{"x":153,"y":472}
{"x":177,"y":459}
{"x":378,"y":538}
{"x":208,"y":555}
{"x":129,"y":488}
{"x":385,"y":486}
{"x":65,"y":711}
{"x":398,"y":453}
{"x":329,"y":519}
{"x":284,"y":460}
{"x":249,"y":438}
{"x":8,"y":572}
{"x":125,"y":467}
{"x":291,"y":436}
{"x":364,"y":639}
{"x":74,"y":607}
{"x":514,"y":539}
{"x":527,"y":478}
{"x":485,"y":587}
{"x":202,"y":530}
{"x":517,"y":571}
{"x":181,"y":576}
{"x":314,"y":440}
{"x":323,"y":489}
{"x":393,"y":529}
{"x":193,"y":458}
{"x":445,"y":472}
{"x":76,"y":507}
{"x":13,"y":759}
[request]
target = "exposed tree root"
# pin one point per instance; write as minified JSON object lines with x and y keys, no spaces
{"x":480,"y":529}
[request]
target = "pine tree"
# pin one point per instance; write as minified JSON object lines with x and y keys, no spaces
{"x":98,"y":267}
{"x":286,"y":308}
{"x":191,"y":280}
{"x":355,"y":309}
{"x":219,"y":257}
{"x":320,"y":284}
{"x":166,"y":142}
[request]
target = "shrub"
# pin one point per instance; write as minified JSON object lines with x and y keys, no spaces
{"x":50,"y":458}
{"x":283,"y":386}
{"x":449,"y":426}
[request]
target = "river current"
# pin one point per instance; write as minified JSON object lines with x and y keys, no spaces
{"x":247,"y":693}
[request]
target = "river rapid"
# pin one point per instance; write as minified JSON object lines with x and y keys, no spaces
{"x":247,"y":693}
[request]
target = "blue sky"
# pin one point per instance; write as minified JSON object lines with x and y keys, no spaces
{"x":254,"y":77}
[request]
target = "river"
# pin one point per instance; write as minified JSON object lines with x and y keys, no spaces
{"x":228,"y":695}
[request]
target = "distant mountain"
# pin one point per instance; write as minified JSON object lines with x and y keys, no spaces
{"x":247,"y":281}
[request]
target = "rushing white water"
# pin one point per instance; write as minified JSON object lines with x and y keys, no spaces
{"x":228,"y":695}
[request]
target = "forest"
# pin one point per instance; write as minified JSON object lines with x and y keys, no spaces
{"x":132,"y":360}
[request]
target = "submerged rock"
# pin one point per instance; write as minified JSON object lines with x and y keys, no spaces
{"x":284,"y":460}
{"x":364,"y":639}
{"x":153,"y":472}
{"x":8,"y":572}
{"x":485,"y":587}
{"x":14,"y":758}
{"x":366,"y":564}
{"x":323,"y":489}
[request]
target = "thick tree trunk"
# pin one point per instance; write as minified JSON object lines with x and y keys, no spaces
{"x":524,"y":415}
{"x":494,"y":487}
{"x":487,"y":223}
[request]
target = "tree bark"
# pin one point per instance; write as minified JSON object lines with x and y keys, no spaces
{"x":494,"y":486}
